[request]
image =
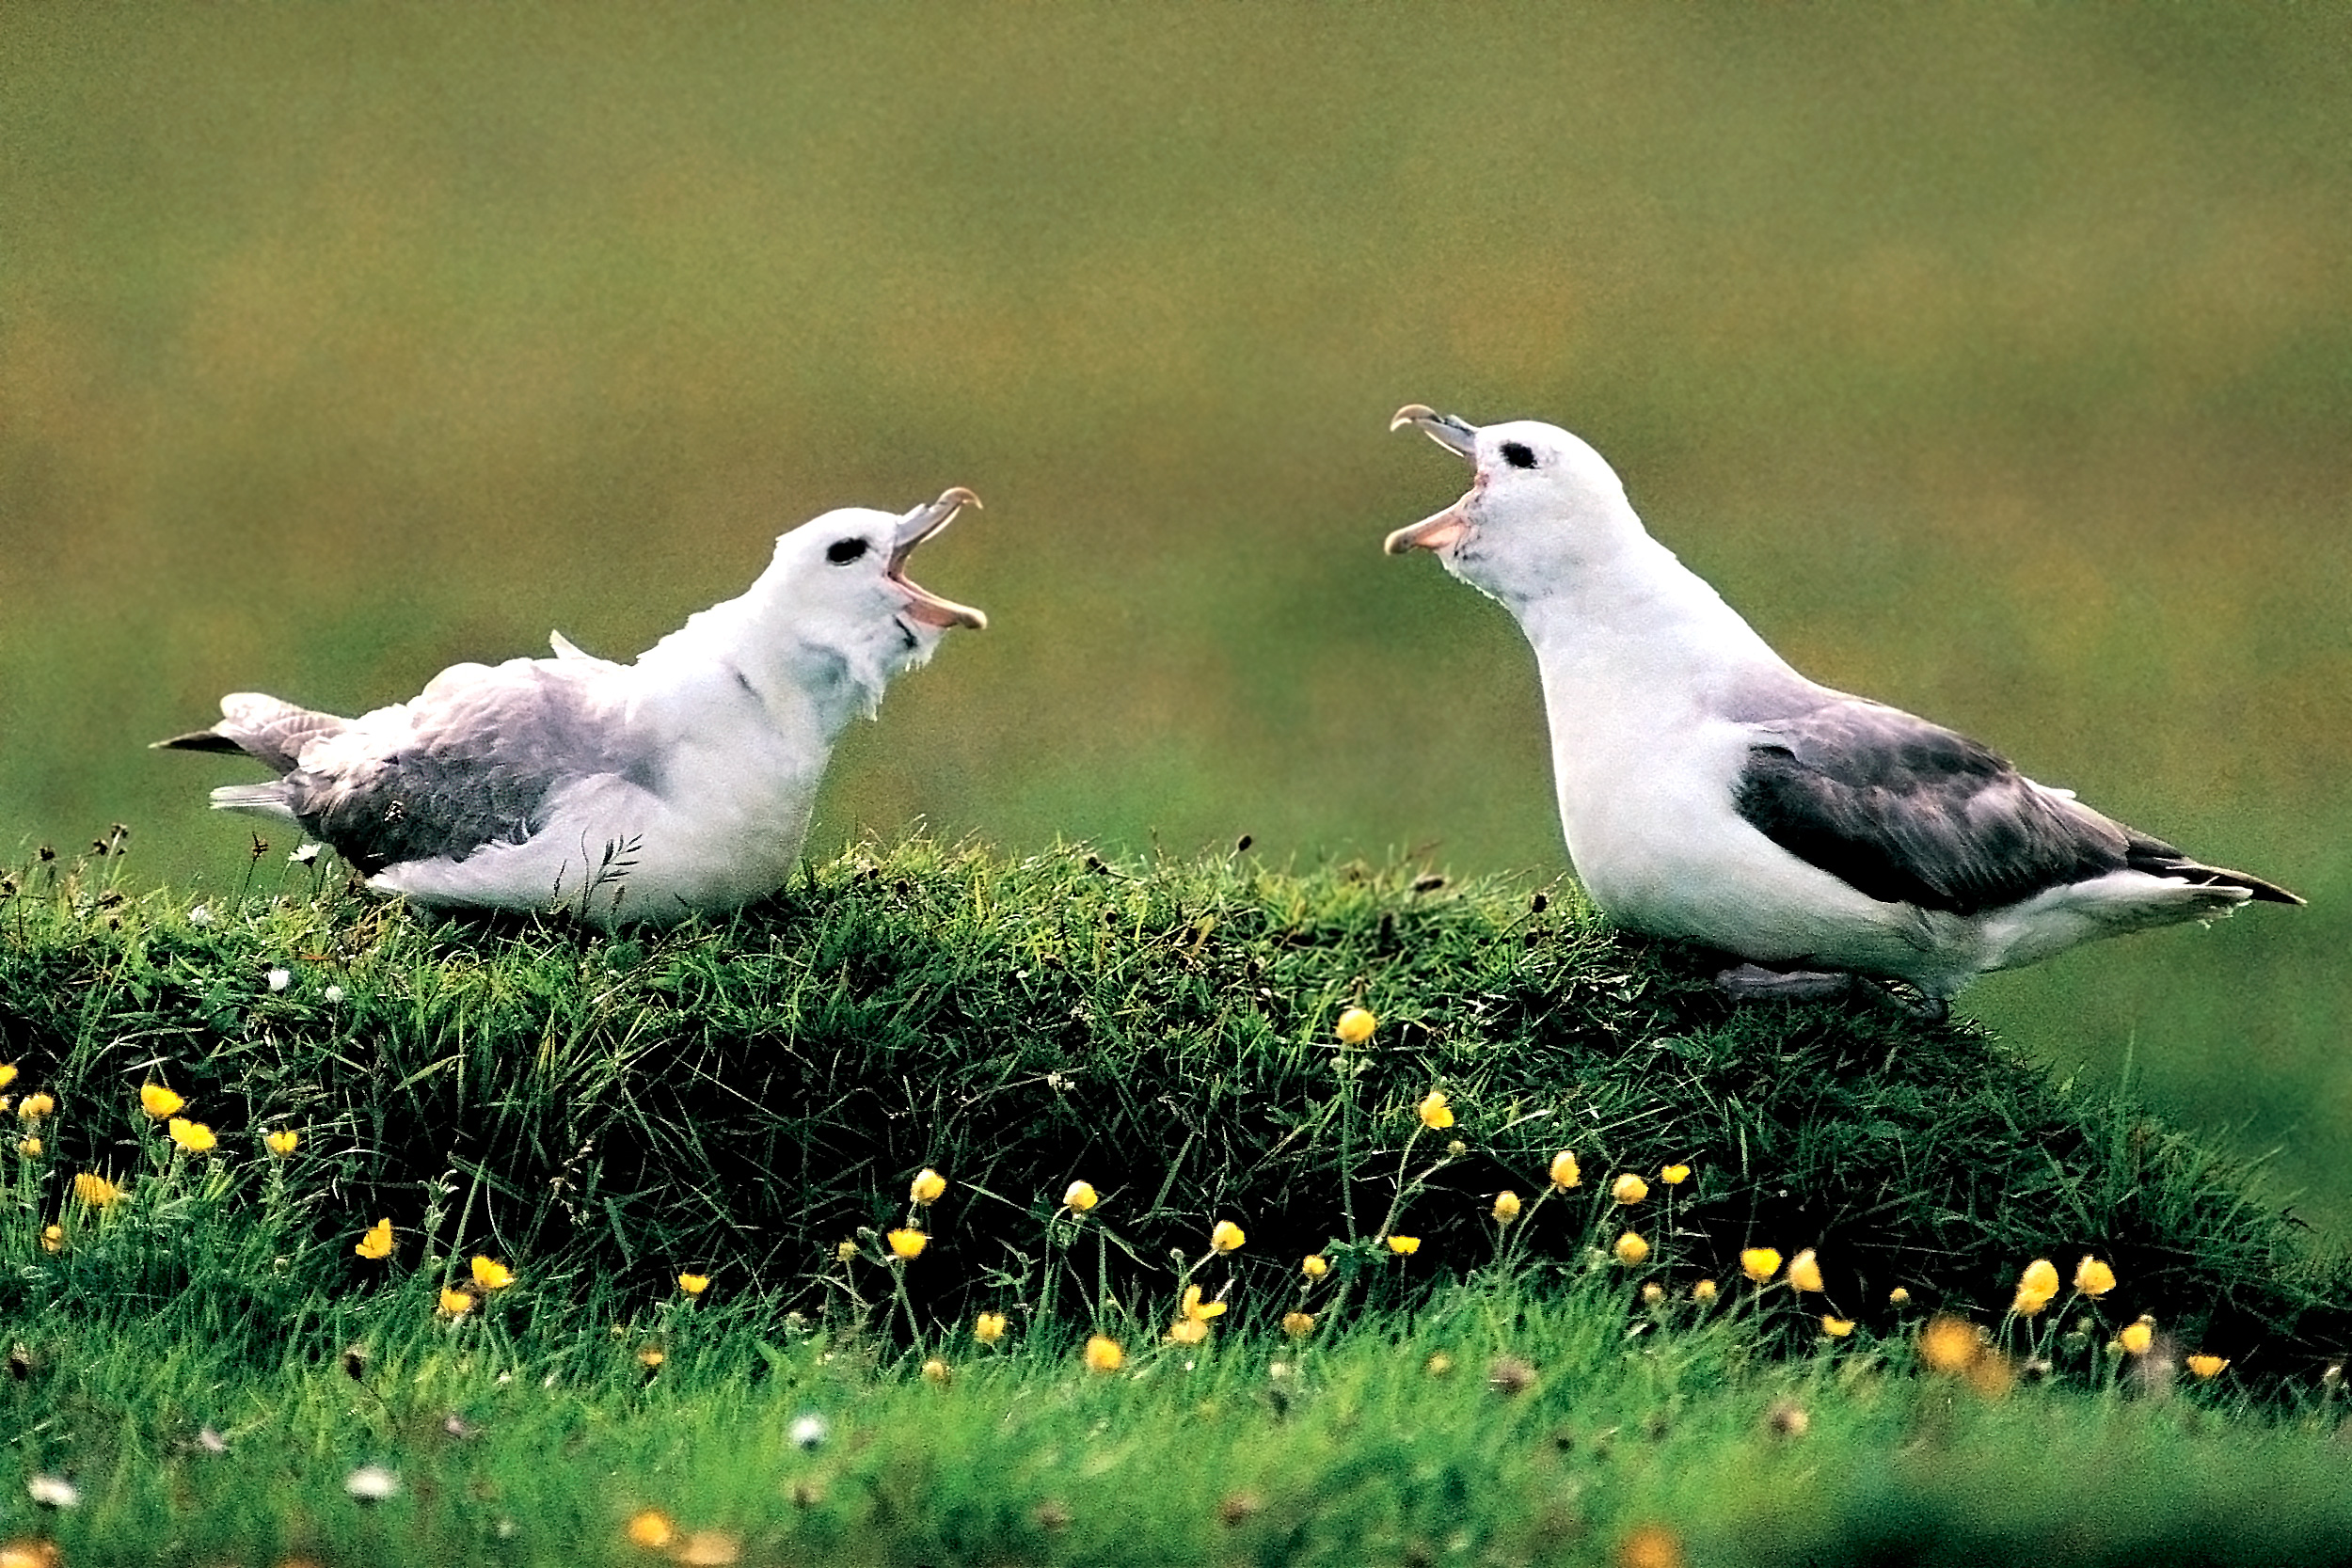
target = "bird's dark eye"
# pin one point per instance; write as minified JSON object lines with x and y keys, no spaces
{"x":1518,"y":454}
{"x":842,"y":551}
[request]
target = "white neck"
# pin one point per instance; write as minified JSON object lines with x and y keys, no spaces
{"x":807,"y":684}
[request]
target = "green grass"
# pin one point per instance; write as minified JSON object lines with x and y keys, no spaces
{"x":600,"y":1114}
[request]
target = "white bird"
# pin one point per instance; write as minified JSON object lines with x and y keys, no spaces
{"x":677,"y":785}
{"x":1709,"y":792}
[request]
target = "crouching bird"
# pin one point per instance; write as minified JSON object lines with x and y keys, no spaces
{"x":677,"y":785}
{"x":1711,"y":792}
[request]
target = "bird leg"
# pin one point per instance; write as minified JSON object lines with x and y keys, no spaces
{"x":1750,"y":982}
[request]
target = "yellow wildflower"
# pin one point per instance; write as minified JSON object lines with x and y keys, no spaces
{"x":1507,"y":1207}
{"x":693,"y":1284}
{"x":2206,"y":1366}
{"x":2094,"y":1277}
{"x":2027,"y":1303}
{"x":1805,"y":1272}
{"x":1564,"y":1172}
{"x":8,"y":1074}
{"x":1630,"y":1249}
{"x":1435,"y":1113}
{"x":378,"y":1243}
{"x":1080,"y":1198}
{"x":281,"y":1144}
{"x":1198,"y":1310}
{"x":2040,"y":1279}
{"x":1356,"y":1026}
{"x":1226,"y":1236}
{"x":1704,"y":1290}
{"x":1835,"y":1327}
{"x":936,"y":1371}
{"x":95,"y":1189}
{"x":988,"y":1327}
{"x":1628,"y":1188}
{"x":1104,"y":1354}
{"x":456,"y":1303}
{"x":908,"y":1244}
{"x":1187,"y":1331}
{"x":651,"y":1358}
{"x":651,"y":1531}
{"x":1298,"y":1325}
{"x":53,"y":1238}
{"x":2138,"y":1337}
{"x":159,"y":1102}
{"x":1948,"y":1345}
{"x":1314,"y":1265}
{"x":927,"y":1186}
{"x":846,"y":1251}
{"x":1651,"y":1546}
{"x":1674,"y":1176}
{"x":491,"y":1275}
{"x":1405,"y":1246}
{"x":35,"y":1106}
{"x":1652,"y":1294}
{"x":29,"y":1146}
{"x":1759,"y":1264}
{"x":193,"y":1137}
{"x":1899,"y":1296}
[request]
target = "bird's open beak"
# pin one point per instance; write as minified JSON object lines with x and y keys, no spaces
{"x":1458,"y":436}
{"x":915,"y":526}
{"x":1449,"y":431}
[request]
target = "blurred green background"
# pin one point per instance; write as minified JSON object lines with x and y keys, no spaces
{"x":1997,"y":361}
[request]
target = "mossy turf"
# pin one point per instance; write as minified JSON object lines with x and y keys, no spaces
{"x":739,"y":1100}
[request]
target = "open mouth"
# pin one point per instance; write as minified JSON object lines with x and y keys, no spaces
{"x":918,"y":524}
{"x":1447,"y":529}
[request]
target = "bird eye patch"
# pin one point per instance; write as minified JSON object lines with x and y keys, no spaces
{"x":1518,"y":454}
{"x":842,"y":551}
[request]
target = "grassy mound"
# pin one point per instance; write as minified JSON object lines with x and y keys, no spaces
{"x":741,"y":1101}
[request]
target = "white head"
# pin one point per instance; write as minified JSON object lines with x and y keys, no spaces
{"x":1544,"y":509}
{"x":837,"y":607}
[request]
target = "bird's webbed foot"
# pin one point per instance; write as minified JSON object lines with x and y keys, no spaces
{"x":1752,"y":982}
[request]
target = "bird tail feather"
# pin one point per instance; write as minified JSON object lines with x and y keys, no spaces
{"x":260,"y":800}
{"x":264,"y":728}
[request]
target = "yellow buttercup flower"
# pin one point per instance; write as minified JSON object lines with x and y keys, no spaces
{"x":1356,"y":1026}
{"x":35,"y":1106}
{"x":2205,"y":1366}
{"x":1628,"y":1188}
{"x":1187,"y":1331}
{"x":908,"y":1244}
{"x":1564,"y":1172}
{"x":281,"y":1144}
{"x":1805,"y":1272}
{"x":1104,"y":1354}
{"x":1899,"y":1296}
{"x":1652,"y":1294}
{"x":1435,"y":1113}
{"x":2138,"y":1337}
{"x":53,"y":1238}
{"x":651,"y":1531}
{"x":159,"y":1102}
{"x":927,"y":1186}
{"x":693,"y":1284}
{"x":846,"y":1251}
{"x":936,"y":1371}
{"x":456,"y":1303}
{"x":29,"y":1146}
{"x":1837,"y":1328}
{"x":651,"y":1358}
{"x":2094,"y":1277}
{"x":1226,"y":1236}
{"x":2027,"y":1303}
{"x":988,"y":1327}
{"x":1759,"y":1264}
{"x":8,"y":1074}
{"x":378,"y":1243}
{"x":1080,"y":1198}
{"x":1314,"y":1265}
{"x":1704,"y":1290}
{"x":1948,"y":1345}
{"x":491,"y":1275}
{"x":1507,"y":1207}
{"x":2040,"y":1279}
{"x":1674,"y":1176}
{"x":95,"y":1189}
{"x":1630,"y":1249}
{"x":1298,"y":1325}
{"x":193,"y":1137}
{"x":1405,"y":1246}
{"x":1196,"y":1310}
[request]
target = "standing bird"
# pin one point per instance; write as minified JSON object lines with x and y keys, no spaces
{"x":677,"y":785}
{"x":1711,"y":792}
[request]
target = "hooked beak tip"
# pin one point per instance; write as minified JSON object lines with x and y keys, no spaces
{"x":1412,"y":413}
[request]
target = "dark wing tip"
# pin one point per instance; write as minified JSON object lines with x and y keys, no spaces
{"x":199,"y":740}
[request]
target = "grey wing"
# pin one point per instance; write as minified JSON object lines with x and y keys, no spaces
{"x":261,"y":727}
{"x":482,"y":755}
{"x":1909,"y":812}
